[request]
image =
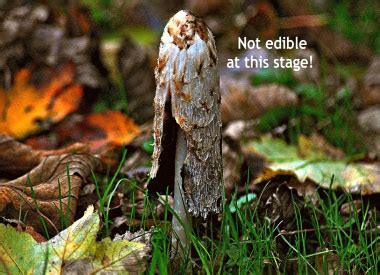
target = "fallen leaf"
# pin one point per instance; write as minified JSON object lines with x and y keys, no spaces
{"x":49,"y":191}
{"x":16,"y":158}
{"x":118,"y":128}
{"x":316,"y":146}
{"x":316,"y":166}
{"x":20,"y":254}
{"x":20,"y":226}
{"x":25,"y":108}
{"x":241,"y":101}
{"x":137,"y":236}
{"x":97,"y":130}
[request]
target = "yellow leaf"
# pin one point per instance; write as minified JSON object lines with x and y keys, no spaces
{"x":75,"y":247}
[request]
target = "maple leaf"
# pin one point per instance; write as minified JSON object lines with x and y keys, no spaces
{"x":25,"y":107}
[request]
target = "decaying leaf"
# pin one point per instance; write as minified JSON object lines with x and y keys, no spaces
{"x":25,"y":108}
{"x":49,"y":191}
{"x":118,"y":128}
{"x":242,"y":101}
{"x":100,"y":131}
{"x":20,"y":226}
{"x":16,"y":158}
{"x":316,"y":166}
{"x":20,"y":254}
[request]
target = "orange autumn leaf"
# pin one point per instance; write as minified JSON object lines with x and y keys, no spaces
{"x":25,"y":107}
{"x":118,"y":128}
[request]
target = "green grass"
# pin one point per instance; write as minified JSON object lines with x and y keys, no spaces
{"x":106,"y":192}
{"x":311,"y":238}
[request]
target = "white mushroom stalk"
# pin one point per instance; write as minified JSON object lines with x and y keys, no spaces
{"x":187,"y":124}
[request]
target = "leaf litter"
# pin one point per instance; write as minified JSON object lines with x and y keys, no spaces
{"x":45,"y":190}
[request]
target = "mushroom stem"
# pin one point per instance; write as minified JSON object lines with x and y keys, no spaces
{"x":181,"y":221}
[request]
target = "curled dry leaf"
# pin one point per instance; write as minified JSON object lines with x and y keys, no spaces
{"x":16,"y":158}
{"x":242,"y":101}
{"x":25,"y":108}
{"x":49,"y":191}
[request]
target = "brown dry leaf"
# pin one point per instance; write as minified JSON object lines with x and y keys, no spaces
{"x":50,"y":191}
{"x":16,"y":158}
{"x":25,"y":107}
{"x":242,"y":101}
{"x":32,"y":232}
